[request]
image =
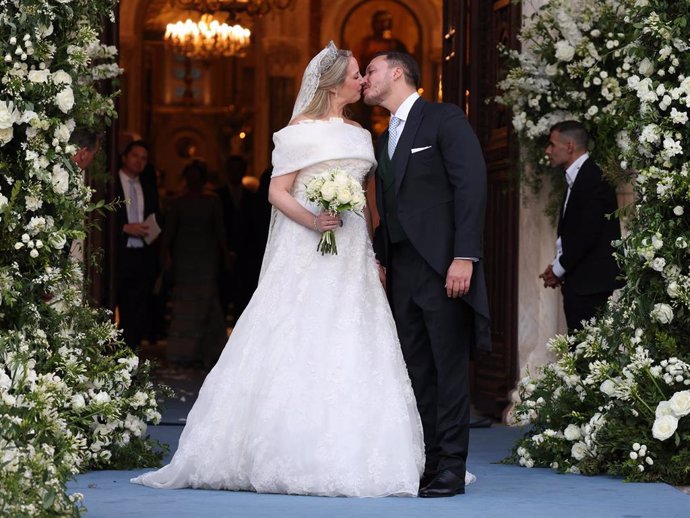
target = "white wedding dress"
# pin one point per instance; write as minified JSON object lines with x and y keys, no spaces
{"x":311,"y":394}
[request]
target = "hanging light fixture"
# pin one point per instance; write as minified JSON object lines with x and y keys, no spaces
{"x":210,"y":38}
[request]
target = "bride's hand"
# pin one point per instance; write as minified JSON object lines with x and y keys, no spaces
{"x":326,"y":221}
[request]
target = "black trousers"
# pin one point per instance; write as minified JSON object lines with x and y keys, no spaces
{"x":434,"y":332}
{"x":581,"y":307}
{"x":135,"y":278}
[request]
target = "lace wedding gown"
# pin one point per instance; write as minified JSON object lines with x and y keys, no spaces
{"x":311,"y":394}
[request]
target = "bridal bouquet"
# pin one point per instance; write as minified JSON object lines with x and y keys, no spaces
{"x":335,"y":191}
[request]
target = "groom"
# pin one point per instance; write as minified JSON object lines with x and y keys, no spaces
{"x":431,"y":196}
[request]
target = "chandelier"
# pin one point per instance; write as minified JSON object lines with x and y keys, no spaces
{"x":210,"y":38}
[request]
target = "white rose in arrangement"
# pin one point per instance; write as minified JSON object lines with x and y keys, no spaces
{"x":662,"y":409}
{"x":328,"y":190}
{"x":33,"y":203}
{"x":78,"y":401}
{"x":9,"y":115}
{"x":65,"y":99}
{"x":60,"y":179}
{"x":101,"y":398}
{"x":39,"y":76}
{"x":662,"y":313}
{"x":564,"y":51}
{"x":680,"y":403}
{"x":60,"y":77}
{"x":6,"y":135}
{"x":658,"y":264}
{"x":678,"y":210}
{"x":646,"y":67}
{"x":664,"y":427}
{"x":673,"y":289}
{"x":572,"y":432}
{"x":63,"y":132}
{"x":579,"y":450}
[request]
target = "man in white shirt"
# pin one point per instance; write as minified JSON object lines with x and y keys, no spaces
{"x":584,"y":266}
{"x":135,"y":262}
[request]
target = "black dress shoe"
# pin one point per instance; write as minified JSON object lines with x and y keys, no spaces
{"x":446,"y":483}
{"x":426,"y":479}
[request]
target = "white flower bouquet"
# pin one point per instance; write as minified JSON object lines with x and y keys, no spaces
{"x":335,"y":191}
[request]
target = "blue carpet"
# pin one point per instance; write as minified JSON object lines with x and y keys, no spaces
{"x":501,"y":491}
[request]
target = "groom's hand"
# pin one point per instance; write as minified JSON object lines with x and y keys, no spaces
{"x":458,"y":278}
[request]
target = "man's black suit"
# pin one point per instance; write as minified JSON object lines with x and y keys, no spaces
{"x":432,"y":205}
{"x":135,"y":268}
{"x":586,"y":231}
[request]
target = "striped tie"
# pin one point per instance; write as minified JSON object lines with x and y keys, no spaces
{"x":393,"y":135}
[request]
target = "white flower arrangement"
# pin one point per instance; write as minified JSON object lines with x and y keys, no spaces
{"x":70,"y":395}
{"x":335,"y":191}
{"x":623,"y":68}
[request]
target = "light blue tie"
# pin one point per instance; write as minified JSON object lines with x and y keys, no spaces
{"x":393,"y":135}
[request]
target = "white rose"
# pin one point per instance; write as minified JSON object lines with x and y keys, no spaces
{"x":60,"y":179}
{"x":662,"y":409}
{"x":28,"y":116}
{"x":608,"y":387}
{"x":664,"y":427}
{"x":6,"y":135}
{"x":551,"y":69}
{"x":328,"y":191}
{"x":673,"y":289}
{"x":646,"y":67}
{"x":8,"y":114}
{"x":39,"y":76}
{"x":658,"y":264}
{"x":680,"y":403}
{"x":63,"y":132}
{"x":65,"y":99}
{"x":341,"y":180}
{"x":662,"y":313}
{"x":572,"y":432}
{"x":344,"y":196}
{"x":78,"y":401}
{"x":678,"y":210}
{"x":579,"y":450}
{"x":101,"y":398}
{"x":564,"y":51}
{"x":60,"y":77}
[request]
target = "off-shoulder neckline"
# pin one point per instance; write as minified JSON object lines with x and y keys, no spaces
{"x":330,"y":119}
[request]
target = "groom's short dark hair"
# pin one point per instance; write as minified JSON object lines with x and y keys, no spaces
{"x":406,"y":62}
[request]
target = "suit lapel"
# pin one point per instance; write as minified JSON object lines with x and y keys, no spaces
{"x":404,"y":145}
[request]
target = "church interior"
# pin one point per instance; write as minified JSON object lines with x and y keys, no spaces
{"x":192,"y":93}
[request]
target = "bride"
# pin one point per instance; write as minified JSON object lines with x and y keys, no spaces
{"x":310,"y":395}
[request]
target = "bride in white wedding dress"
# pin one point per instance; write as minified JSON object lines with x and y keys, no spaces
{"x":311,"y":394}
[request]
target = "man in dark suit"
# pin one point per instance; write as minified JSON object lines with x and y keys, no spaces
{"x":135,"y":261}
{"x":584,"y":266}
{"x":431,"y":197}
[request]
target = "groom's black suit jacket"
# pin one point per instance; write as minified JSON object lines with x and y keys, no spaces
{"x":441,"y":197}
{"x":586,"y":230}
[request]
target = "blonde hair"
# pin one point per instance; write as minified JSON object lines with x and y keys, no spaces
{"x":330,"y":78}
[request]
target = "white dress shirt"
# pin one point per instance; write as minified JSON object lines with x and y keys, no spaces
{"x":570,"y":176}
{"x":127,"y":182}
{"x":403,"y":112}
